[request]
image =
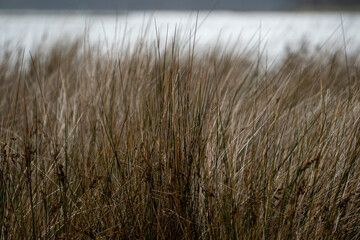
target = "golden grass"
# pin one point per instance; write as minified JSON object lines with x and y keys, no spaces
{"x":170,"y":143}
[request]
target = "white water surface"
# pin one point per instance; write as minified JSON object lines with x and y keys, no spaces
{"x":269,"y":31}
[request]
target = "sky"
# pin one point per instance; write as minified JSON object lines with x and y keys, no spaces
{"x":124,"y":5}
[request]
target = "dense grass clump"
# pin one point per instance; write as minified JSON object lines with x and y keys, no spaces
{"x":172,"y":143}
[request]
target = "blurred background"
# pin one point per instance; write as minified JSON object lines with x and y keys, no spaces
{"x":267,"y":25}
{"x":234,"y":5}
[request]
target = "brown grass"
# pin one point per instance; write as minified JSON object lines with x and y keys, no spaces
{"x":171,"y":143}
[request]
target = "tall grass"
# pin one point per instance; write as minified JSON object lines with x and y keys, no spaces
{"x":166,"y":142}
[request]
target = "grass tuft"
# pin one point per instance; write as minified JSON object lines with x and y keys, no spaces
{"x":166,"y":142}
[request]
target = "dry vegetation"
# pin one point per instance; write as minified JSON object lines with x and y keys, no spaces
{"x":170,"y":143}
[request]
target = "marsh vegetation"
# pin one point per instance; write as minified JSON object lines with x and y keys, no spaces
{"x":161,"y":141}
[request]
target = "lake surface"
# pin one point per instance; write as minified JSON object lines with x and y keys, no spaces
{"x":270,"y":31}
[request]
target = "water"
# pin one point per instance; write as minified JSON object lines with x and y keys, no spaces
{"x":269,"y":31}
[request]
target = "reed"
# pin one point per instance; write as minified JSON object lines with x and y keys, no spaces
{"x":166,"y":142}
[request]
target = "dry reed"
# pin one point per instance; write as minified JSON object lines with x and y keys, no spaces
{"x":169,"y":143}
